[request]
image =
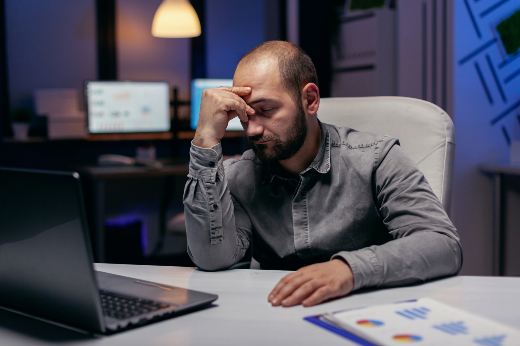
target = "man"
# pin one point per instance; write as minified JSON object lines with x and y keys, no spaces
{"x":345,"y":209}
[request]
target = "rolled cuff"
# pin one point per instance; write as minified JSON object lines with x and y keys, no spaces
{"x":364,"y":265}
{"x":206,"y":163}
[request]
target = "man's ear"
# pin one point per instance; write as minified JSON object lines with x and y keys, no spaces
{"x":311,"y":98}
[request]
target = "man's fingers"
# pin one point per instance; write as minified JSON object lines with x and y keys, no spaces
{"x":313,"y":284}
{"x":289,"y":288}
{"x":284,"y":281}
{"x":250,"y":110}
{"x":235,"y":97}
{"x":301,"y":293}
{"x":238,"y":107}
{"x":240,"y":91}
{"x":320,"y":295}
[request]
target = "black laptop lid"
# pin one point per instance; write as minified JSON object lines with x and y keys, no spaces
{"x":45,"y":258}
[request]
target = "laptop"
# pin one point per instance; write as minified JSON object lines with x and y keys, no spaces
{"x":46,"y":260}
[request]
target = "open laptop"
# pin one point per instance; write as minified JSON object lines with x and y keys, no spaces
{"x":46,"y":266}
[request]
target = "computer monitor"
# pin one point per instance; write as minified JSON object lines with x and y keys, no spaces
{"x":127,"y":107}
{"x":197,"y":86}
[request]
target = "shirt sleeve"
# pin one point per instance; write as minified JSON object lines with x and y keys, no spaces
{"x":217,"y":228}
{"x":425,"y":243}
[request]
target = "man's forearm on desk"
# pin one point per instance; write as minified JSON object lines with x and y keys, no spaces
{"x":415,"y":258}
{"x":213,"y":240}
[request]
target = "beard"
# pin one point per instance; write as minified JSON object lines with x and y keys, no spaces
{"x":282,"y":149}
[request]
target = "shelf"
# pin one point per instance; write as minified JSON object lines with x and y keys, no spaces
{"x":229,"y":134}
{"x":29,"y":140}
{"x":129,"y":136}
{"x":121,"y":137}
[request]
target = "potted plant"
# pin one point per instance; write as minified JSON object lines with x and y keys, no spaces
{"x":20,"y":119}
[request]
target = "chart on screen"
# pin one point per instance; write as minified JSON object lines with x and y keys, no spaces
{"x":127,"y":107}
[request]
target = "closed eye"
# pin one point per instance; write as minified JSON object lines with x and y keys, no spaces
{"x":266,"y":110}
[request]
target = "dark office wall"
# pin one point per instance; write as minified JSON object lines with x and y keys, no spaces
{"x":275,"y":20}
{"x":5,"y":128}
{"x":198,"y":44}
{"x":317,"y":27}
{"x":233,"y":27}
{"x":50,"y":44}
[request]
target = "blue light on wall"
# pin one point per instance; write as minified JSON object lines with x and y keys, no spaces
{"x":498,"y":72}
{"x":129,"y":219}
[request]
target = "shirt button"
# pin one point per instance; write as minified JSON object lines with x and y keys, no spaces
{"x":211,"y":164}
{"x":215,"y":206}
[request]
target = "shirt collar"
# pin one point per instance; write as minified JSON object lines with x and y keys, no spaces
{"x":320,"y":164}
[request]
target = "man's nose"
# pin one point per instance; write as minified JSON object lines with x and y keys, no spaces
{"x":254,"y":127}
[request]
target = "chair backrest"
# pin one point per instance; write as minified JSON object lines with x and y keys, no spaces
{"x":425,"y":131}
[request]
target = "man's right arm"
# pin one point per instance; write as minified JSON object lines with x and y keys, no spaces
{"x":218,"y":230}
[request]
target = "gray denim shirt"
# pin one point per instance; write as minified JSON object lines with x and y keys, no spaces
{"x":362,"y":199}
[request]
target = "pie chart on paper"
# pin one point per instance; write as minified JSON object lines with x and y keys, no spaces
{"x":369,"y":323}
{"x":407,"y":338}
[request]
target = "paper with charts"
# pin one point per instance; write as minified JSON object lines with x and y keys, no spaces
{"x":423,"y":322}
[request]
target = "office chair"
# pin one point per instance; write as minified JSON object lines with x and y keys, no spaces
{"x":425,"y":132}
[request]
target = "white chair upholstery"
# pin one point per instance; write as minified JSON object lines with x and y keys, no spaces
{"x":425,"y":131}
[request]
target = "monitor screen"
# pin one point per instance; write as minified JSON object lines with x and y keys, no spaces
{"x":127,"y":107}
{"x":197,"y":86}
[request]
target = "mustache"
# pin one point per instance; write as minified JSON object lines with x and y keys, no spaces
{"x":260,"y":138}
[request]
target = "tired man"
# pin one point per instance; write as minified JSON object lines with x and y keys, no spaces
{"x":345,"y":209}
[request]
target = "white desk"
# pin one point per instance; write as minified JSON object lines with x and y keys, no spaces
{"x":243,"y":316}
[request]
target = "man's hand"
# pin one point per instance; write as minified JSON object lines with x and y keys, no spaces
{"x":313,"y":284}
{"x":218,"y":106}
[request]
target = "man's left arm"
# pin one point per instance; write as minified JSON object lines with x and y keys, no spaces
{"x":425,"y":245}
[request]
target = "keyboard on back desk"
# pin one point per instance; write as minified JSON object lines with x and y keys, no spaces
{"x":122,"y":307}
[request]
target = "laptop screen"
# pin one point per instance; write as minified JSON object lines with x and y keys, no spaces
{"x":197,"y":86}
{"x":127,"y":107}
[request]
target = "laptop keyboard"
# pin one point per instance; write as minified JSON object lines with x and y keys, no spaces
{"x":122,"y":307}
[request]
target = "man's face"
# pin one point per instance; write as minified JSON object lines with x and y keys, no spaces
{"x":278,"y":128}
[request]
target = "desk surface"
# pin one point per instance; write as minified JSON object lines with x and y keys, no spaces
{"x":242,"y":315}
{"x":118,"y":172}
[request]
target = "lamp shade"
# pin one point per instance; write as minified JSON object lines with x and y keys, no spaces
{"x":175,"y":18}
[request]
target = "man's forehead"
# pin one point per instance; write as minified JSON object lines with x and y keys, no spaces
{"x":259,"y":72}
{"x":264,"y":80}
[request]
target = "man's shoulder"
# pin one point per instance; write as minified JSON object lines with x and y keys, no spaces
{"x":248,"y":159}
{"x":247,"y":166}
{"x":353,"y":139}
{"x":356,"y":144}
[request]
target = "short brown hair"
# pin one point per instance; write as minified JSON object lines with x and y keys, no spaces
{"x":295,"y":66}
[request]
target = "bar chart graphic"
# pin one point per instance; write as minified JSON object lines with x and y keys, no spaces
{"x":454,"y":328}
{"x":415,"y":313}
{"x":491,"y":341}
